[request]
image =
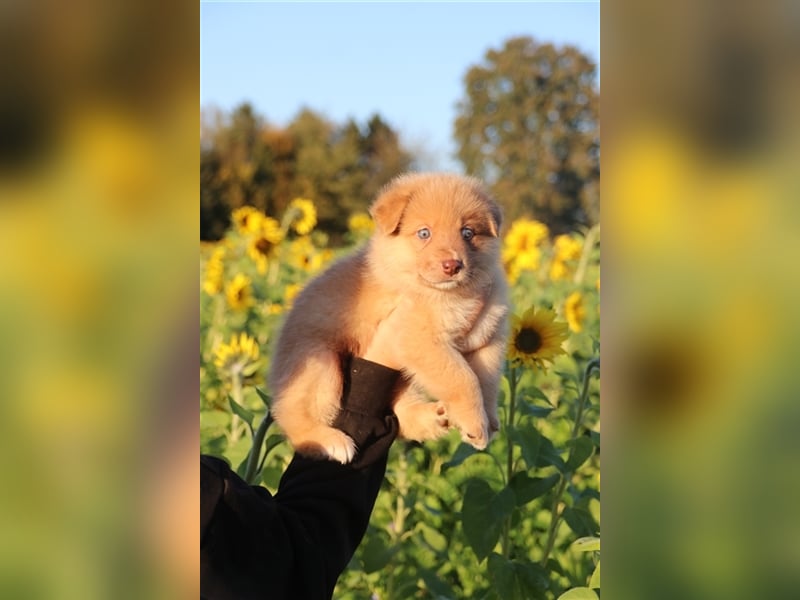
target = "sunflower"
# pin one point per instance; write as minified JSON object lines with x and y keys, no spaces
{"x":574,"y":311}
{"x":247,"y":219}
{"x":215,"y":269}
{"x":239,"y":293}
{"x":566,"y":250}
{"x":304,"y":255}
{"x":301,"y":216}
{"x":522,"y":246}
{"x":240,"y":356}
{"x":523,"y":235}
{"x":262,"y":246}
{"x":536,"y":337}
{"x":525,"y":261}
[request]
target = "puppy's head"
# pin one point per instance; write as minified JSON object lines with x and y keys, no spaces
{"x":442,"y":229}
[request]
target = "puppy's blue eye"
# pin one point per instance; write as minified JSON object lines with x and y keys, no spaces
{"x":467,"y":233}
{"x":424,"y":233}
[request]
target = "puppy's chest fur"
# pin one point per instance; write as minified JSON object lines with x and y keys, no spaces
{"x":470,"y":323}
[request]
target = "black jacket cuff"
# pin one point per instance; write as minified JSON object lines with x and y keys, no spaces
{"x":366,"y":414}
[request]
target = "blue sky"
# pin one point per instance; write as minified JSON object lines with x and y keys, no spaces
{"x":403,"y":60}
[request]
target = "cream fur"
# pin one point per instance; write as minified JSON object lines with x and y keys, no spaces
{"x":453,"y":342}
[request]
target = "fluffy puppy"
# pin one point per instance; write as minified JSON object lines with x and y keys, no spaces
{"x":433,"y":264}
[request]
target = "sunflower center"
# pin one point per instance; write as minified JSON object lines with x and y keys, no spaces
{"x":263,"y":246}
{"x":528,"y":341}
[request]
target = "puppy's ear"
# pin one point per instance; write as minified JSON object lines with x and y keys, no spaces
{"x":496,"y":218}
{"x":388,"y":209}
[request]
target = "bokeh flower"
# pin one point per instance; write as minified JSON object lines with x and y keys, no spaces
{"x":301,"y":215}
{"x":215,"y":271}
{"x":291,"y":291}
{"x":261,"y":247}
{"x":238,"y":357}
{"x":305,"y":256}
{"x":575,"y":312}
{"x":536,"y":337}
{"x":239,"y":292}
{"x":360,"y":225}
{"x":247,"y":219}
{"x":522,"y":246}
{"x":566,"y":250}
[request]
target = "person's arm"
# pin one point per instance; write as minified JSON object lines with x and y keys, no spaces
{"x":296,"y":544}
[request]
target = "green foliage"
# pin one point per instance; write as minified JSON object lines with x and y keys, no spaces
{"x":246,"y":161}
{"x":529,"y":126}
{"x":517,"y":520}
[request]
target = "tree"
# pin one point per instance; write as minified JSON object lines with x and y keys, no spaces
{"x":245,"y":160}
{"x":529,"y":127}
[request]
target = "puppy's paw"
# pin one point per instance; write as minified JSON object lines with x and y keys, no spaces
{"x":475,"y":431}
{"x":422,"y":421}
{"x":329,"y":443}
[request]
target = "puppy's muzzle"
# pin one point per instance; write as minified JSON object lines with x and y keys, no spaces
{"x":452,"y":266}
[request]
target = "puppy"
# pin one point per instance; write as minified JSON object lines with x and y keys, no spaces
{"x":433,"y":262}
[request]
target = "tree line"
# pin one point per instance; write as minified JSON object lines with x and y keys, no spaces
{"x":528,"y":124}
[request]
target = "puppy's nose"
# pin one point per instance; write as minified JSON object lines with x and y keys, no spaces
{"x":451,"y":266}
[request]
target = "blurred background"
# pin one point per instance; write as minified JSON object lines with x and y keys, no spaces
{"x":99,"y":136}
{"x":331,"y":104}
{"x":306,"y":115}
{"x":700,"y":142}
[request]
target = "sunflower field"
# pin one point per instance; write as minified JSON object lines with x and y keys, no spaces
{"x":518,"y":520}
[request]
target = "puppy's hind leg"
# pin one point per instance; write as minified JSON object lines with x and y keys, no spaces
{"x":308,"y":405}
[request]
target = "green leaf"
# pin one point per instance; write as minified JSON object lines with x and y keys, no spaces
{"x":580,"y":521}
{"x":582,"y":449}
{"x":462,"y":453}
{"x":594,"y":582}
{"x":246,"y":415}
{"x":516,"y":579}
{"x":253,"y":368}
{"x":533,"y":410}
{"x":566,"y":376}
{"x":528,"y":440}
{"x":264,"y":398}
{"x":483,"y":514}
{"x":595,"y":437}
{"x":272,"y":442}
{"x":438,"y":587}
{"x":376,"y":553}
{"x":549,"y":456}
{"x":587,"y":544}
{"x":433,"y":538}
{"x":527,"y":488}
{"x":579,"y":593}
{"x":535,"y":392}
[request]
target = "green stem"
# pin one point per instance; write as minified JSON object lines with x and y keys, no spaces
{"x":588,"y":246}
{"x":510,"y":414}
{"x":255,"y":451}
{"x":398,"y":523}
{"x":555,"y":515}
{"x":236,"y":394}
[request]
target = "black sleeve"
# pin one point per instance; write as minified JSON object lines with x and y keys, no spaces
{"x":297,"y":543}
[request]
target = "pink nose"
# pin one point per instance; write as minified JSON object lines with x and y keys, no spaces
{"x":451,"y":266}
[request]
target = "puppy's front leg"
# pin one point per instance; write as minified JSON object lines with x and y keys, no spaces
{"x":420,"y":419}
{"x":487,"y":363}
{"x":446,"y":376}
